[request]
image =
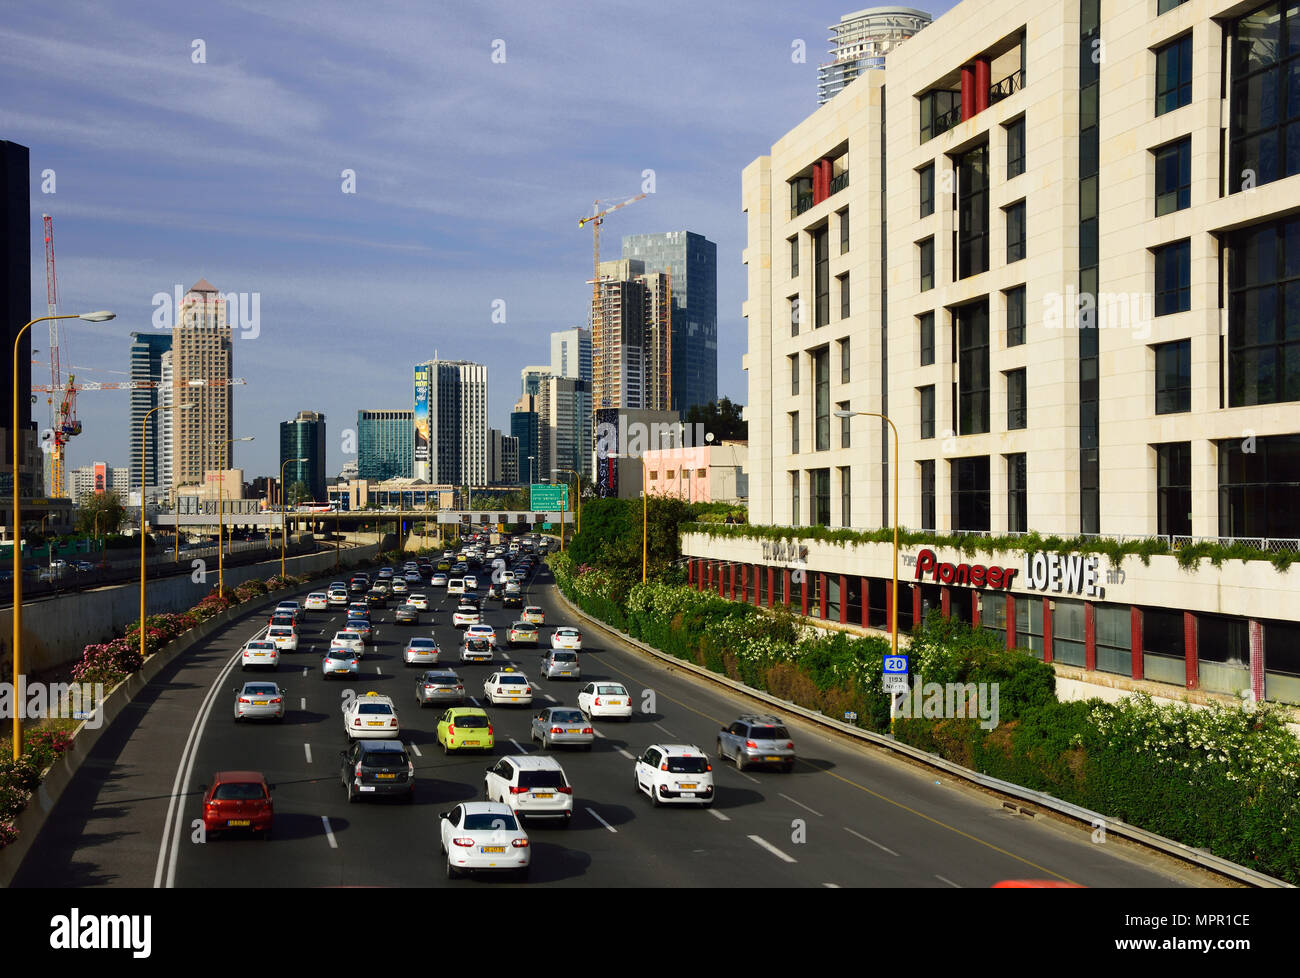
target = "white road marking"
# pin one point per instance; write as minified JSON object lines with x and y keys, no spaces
{"x":666,"y":730}
{"x":626,"y":754}
{"x":717,"y":814}
{"x":416,"y":749}
{"x":831,"y":886}
{"x":800,"y":804}
{"x":597,"y":733}
{"x":378,"y":671}
{"x":329,"y":833}
{"x":747,"y":776}
{"x":473,"y":700}
{"x":303,"y":702}
{"x":948,"y":881}
{"x":551,"y":698}
{"x":601,"y":820}
{"x":304,"y":670}
{"x":307,"y":748}
{"x":517,"y":747}
{"x":872,"y":841}
{"x":760,"y":841}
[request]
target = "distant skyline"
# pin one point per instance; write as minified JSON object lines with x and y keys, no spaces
{"x":474,"y":137}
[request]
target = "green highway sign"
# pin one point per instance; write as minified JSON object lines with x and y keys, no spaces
{"x":548,"y":498}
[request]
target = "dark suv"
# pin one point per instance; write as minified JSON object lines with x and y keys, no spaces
{"x":757,"y":739}
{"x":377,"y":767}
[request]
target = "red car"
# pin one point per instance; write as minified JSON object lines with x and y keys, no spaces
{"x":238,"y":800}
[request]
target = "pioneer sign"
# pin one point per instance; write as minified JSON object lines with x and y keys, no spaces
{"x":972,"y":575}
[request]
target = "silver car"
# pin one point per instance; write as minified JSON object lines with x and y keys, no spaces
{"x":563,"y":726}
{"x":421,"y":651}
{"x":561,"y":664}
{"x":439,"y":686}
{"x":259,"y":701}
{"x":340,"y":661}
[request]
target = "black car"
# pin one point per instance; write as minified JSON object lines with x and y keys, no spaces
{"x":512,"y":601}
{"x":376,"y":599}
{"x":407,"y":614}
{"x":377,"y":767}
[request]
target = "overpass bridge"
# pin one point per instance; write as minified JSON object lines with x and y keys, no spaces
{"x":346,"y":520}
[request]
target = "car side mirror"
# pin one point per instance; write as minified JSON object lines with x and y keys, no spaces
{"x":444,"y":815}
{"x":724,"y":729}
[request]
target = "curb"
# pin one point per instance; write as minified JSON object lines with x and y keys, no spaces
{"x":1169,"y":847}
{"x":31,"y":819}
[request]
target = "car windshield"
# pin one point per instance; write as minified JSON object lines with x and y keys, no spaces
{"x":470,"y":720}
{"x":238,"y":791}
{"x":348,"y":636}
{"x":422,"y":643}
{"x":340,"y":654}
{"x":611,"y":690}
{"x":541,"y":779}
{"x":566,"y":632}
{"x":566,"y":716}
{"x":687,"y":765}
{"x":374,"y":709}
{"x":512,"y":679}
{"x":565,"y":657}
{"x":490,"y":820}
{"x":261,"y":645}
{"x":384,"y":758}
{"x":260,"y":689}
{"x":442,"y":679}
{"x":769,"y":733}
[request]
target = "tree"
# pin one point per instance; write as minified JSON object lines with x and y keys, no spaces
{"x":107,"y":506}
{"x":721,"y":419}
{"x":298,"y":493}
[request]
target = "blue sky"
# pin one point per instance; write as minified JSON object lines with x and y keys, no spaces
{"x":470,"y":177}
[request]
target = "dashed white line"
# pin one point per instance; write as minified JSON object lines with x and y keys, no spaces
{"x":304,"y":670}
{"x":303,"y":703}
{"x":872,"y":841}
{"x":378,"y":671}
{"x":800,"y":804}
{"x":517,"y":747}
{"x":749,"y":777}
{"x":832,"y":886}
{"x":474,"y":700}
{"x":665,"y":730}
{"x":626,"y":754}
{"x":329,"y":832}
{"x":948,"y":881}
{"x":307,"y":749}
{"x":551,"y":698}
{"x":760,"y":841}
{"x":601,"y":820}
{"x":416,"y":749}
{"x":717,"y":814}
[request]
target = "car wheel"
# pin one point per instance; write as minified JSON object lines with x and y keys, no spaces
{"x":546,"y":742}
{"x":452,"y":871}
{"x":352,"y":794}
{"x":740,"y":760}
{"x":654,"y":797}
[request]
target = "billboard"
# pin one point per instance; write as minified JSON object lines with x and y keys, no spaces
{"x":422,"y":421}
{"x":606,"y":445}
{"x":101,"y":477}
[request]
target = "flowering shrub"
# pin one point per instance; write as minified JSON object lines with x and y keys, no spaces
{"x":45,"y":746}
{"x":109,"y":663}
{"x":8,"y":833}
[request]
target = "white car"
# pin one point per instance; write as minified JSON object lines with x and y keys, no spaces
{"x":284,"y":637}
{"x":317,"y":601}
{"x":513,"y":588}
{"x":421,"y":652}
{"x":675,"y":774}
{"x":508,"y":686}
{"x":370,"y":716}
{"x":438,"y":580}
{"x":482,"y":631}
{"x":464,"y":617}
{"x":349,"y":640}
{"x":479,"y":835}
{"x":337,"y":598}
{"x":605,"y":699}
{"x":455,"y":585}
{"x":533,"y":786}
{"x":479,"y":651}
{"x":471,"y":582}
{"x":259,"y":653}
{"x":418,"y":601}
{"x":567,"y":638}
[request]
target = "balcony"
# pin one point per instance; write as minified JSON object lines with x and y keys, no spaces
{"x":839,"y":183}
{"x":1007,"y":87}
{"x":803,"y":203}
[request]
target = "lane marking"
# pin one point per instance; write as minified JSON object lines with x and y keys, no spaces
{"x":800,"y":804}
{"x":307,"y":748}
{"x":303,"y":702}
{"x":601,"y":820}
{"x":626,"y":754}
{"x":517,"y":747}
{"x":760,"y":841}
{"x":831,"y":886}
{"x":304,"y":672}
{"x":748,"y":777}
{"x":717,"y":814}
{"x":948,"y":881}
{"x":474,"y":700}
{"x":551,"y":698}
{"x":872,"y":841}
{"x":666,"y":730}
{"x":329,"y":833}
{"x":416,"y":749}
{"x":378,"y":671}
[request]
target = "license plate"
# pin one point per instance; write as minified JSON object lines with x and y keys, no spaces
{"x":535,"y":795}
{"x":374,"y":723}
{"x":238,"y":822}
{"x":367,"y":787}
{"x":342,"y":670}
{"x":570,"y":731}
{"x":688,"y":786}
{"x":688,"y":794}
{"x":260,"y":702}
{"x":565,"y":672}
{"x":385,"y":776}
{"x":470,"y":743}
{"x":486,"y":849}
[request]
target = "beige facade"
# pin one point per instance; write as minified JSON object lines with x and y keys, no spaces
{"x":201,"y":351}
{"x":630,"y":338}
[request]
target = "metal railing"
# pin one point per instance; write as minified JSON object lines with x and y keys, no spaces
{"x":802,"y":203}
{"x":839,"y":183}
{"x":1007,"y":87}
{"x":942,"y":123}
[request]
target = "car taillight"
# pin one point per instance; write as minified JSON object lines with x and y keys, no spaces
{"x":460,"y":687}
{"x":244,"y":699}
{"x":357,"y":772}
{"x":461,"y":841}
{"x":489,"y":730}
{"x":276,"y":700}
{"x":557,"y":730}
{"x":566,"y":790}
{"x":500,"y":690}
{"x":393,"y":722}
{"x":790,"y":745}
{"x":708,"y":767}
{"x":428,"y":687}
{"x":354,"y":662}
{"x":664,"y":766}
{"x":751,"y":745}
{"x":356,"y":722}
{"x":588,"y":730}
{"x":519,"y":843}
{"x":518,"y":790}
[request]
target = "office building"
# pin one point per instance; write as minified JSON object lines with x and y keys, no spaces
{"x":503,"y":458}
{"x":564,"y":424}
{"x":97,"y":478}
{"x":689,"y":264}
{"x":166,"y":450}
{"x":523,"y":427}
{"x":201,"y":350}
{"x":385,"y":445}
{"x":629,"y":347}
{"x":147,"y":353}
{"x":571,"y":353}
{"x":451,"y":398}
{"x":530,"y":378}
{"x":304,"y":437}
{"x":860,"y":41}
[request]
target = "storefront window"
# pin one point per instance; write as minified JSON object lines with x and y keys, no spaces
{"x":1029,"y":624}
{"x":1163,"y":648}
{"x":833,"y":597}
{"x":1223,"y":653}
{"x":1068,"y":633}
{"x":1114,"y":639}
{"x":1282,"y":661}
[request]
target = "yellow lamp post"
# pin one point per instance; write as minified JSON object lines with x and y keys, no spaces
{"x":144,"y":454}
{"x":221,"y":519}
{"x":17,"y":524}
{"x":286,"y":462}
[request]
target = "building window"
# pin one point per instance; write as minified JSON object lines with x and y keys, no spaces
{"x":1015,"y":315}
{"x":844,"y":296}
{"x":926,"y":174}
{"x":794,"y":373}
{"x":794,"y":498}
{"x":1174,"y":489}
{"x":1258,"y":490}
{"x":1174,"y":177}
{"x":970,"y":494}
{"x":846,"y":501}
{"x":821,"y":364}
{"x":821,"y":496}
{"x":1016,"y":400}
{"x":1173,"y":278}
{"x":1174,"y":75}
{"x":927,"y":411}
{"x":1015,"y":148}
{"x":844,"y":361}
{"x":822,"y":279}
{"x":1164,"y":6}
{"x":926,"y":322}
{"x":1015,"y":231}
{"x":1264,"y":314}
{"x":940,"y":111}
{"x":973,"y":368}
{"x":794,"y":256}
{"x":844,"y":424}
{"x":973,"y":212}
{"x":794,"y":432}
{"x":794,"y":315}
{"x":927,"y":494}
{"x":1174,"y":377}
{"x":1017,"y":494}
{"x":844,"y":231}
{"x":1264,"y":111}
{"x":926,"y":255}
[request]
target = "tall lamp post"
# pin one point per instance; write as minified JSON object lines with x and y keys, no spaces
{"x":578,"y":509}
{"x":17,"y":523}
{"x":144,"y":424}
{"x":221,"y":518}
{"x":287,"y":461}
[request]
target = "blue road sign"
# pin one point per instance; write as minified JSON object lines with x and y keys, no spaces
{"x":895,"y":665}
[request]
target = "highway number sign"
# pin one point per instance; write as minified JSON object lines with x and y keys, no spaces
{"x":896,"y":665}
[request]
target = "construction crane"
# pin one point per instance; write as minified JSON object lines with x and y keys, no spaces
{"x":597,"y":319}
{"x":63,"y":421}
{"x":131,"y":385}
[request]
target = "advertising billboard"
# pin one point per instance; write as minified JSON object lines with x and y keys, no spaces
{"x":607,"y":445}
{"x":422,"y":421}
{"x":101,"y":477}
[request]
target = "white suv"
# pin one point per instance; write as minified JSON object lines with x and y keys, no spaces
{"x":533,"y":786}
{"x":674,"y":774}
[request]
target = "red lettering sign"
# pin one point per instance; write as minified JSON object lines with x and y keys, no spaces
{"x":974,"y":575}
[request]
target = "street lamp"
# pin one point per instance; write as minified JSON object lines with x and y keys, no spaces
{"x":90,"y":317}
{"x":893,"y":603}
{"x":286,"y":462}
{"x":578,"y":513}
{"x":144,"y":422}
{"x":221,"y":512}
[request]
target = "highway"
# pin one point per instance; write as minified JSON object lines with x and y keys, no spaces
{"x":847,"y":816}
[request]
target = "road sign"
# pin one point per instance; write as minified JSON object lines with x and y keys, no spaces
{"x":548,"y":497}
{"x":850,"y":716}
{"x":896,"y":665}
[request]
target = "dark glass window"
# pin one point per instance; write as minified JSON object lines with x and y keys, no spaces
{"x":844,"y":361}
{"x":1264,"y":105}
{"x":973,"y":212}
{"x":1015,"y":148}
{"x":973,"y":369}
{"x":1173,"y":278}
{"x":794,"y":256}
{"x":1174,"y":176}
{"x":926,"y":321}
{"x":1016,"y":401}
{"x":845,"y":424}
{"x":940,"y":111}
{"x":846,"y":498}
{"x":1174,"y":75}
{"x":1015,"y":316}
{"x":1017,"y":494}
{"x":1174,"y":488}
{"x":794,"y":315}
{"x":1167,"y":5}
{"x":927,"y":190}
{"x":1259,"y":483}
{"x":822,"y":277}
{"x":927,"y":494}
{"x":844,"y":296}
{"x":794,"y":432}
{"x":927,"y":411}
{"x":1174,"y":377}
{"x":1264,"y":314}
{"x":844,"y":231}
{"x":794,"y":501}
{"x":821,"y":497}
{"x":794,"y":373}
{"x":970,"y":493}
{"x":1015,"y":231}
{"x":821,"y":364}
{"x":926,"y":249}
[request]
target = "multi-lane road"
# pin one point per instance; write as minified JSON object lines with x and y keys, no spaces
{"x":846,"y":816}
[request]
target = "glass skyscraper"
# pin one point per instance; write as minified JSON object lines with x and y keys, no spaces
{"x":304,"y":437}
{"x":147,"y":350}
{"x":385,"y":445}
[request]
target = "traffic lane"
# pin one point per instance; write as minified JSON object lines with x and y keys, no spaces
{"x":900,"y":797}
